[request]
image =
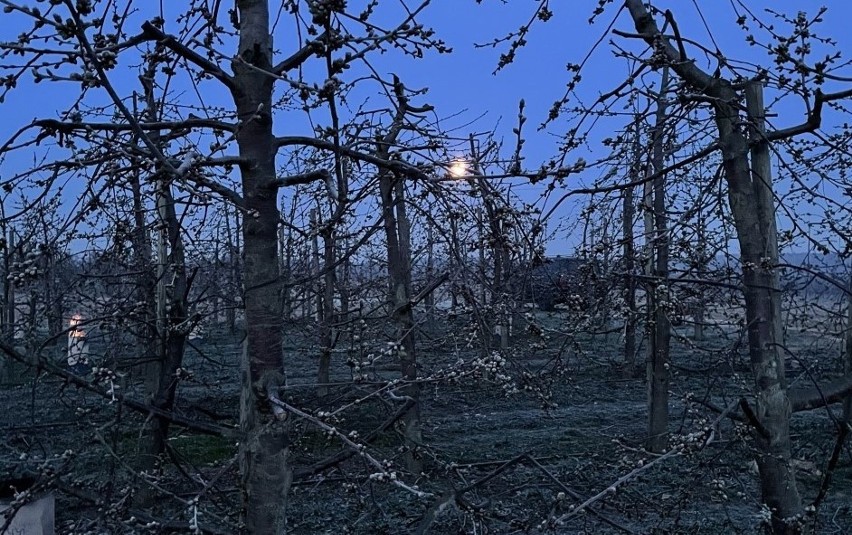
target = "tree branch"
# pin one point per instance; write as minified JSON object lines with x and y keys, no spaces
{"x":340,"y":456}
{"x":650,"y":32}
{"x":709,"y":85}
{"x":431,"y":287}
{"x":299,"y":56}
{"x":301,"y":178}
{"x":706,"y":151}
{"x":191,"y":122}
{"x":192,"y":160}
{"x":389,"y":165}
{"x":170,"y":42}
{"x":814,"y":120}
{"x":805,"y":399}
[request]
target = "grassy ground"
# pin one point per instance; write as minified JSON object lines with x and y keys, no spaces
{"x":574,"y":427}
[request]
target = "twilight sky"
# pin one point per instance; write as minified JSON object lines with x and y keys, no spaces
{"x":462,"y":85}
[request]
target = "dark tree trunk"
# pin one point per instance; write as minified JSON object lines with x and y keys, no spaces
{"x":7,"y":307}
{"x":146,"y":282}
{"x":9,"y":300}
{"x":285,"y":267}
{"x":173,"y":330}
{"x":232,"y":267}
{"x":53,"y":296}
{"x":455,"y":255}
{"x":751,"y":201}
{"x":316,"y":293}
{"x":628,"y":214}
{"x":499,"y":257}
{"x":264,"y":443}
{"x":629,"y":286}
{"x":344,"y":280}
{"x":326,"y":338}
{"x":701,"y":271}
{"x":659,"y":295}
{"x":398,"y":236}
{"x":429,"y":302}
{"x":847,"y":361}
{"x":171,"y":322}
{"x":753,"y":207}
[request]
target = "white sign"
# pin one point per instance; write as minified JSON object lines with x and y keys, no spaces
{"x":34,"y":518}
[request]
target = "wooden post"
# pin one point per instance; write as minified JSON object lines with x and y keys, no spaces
{"x":429,"y":302}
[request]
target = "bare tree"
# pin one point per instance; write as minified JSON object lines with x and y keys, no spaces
{"x":628,"y":214}
{"x":658,"y":293}
{"x":264,"y":442}
{"x":749,"y":188}
{"x":173,"y":324}
{"x":397,"y":226}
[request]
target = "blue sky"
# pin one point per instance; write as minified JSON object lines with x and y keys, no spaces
{"x":463,"y":82}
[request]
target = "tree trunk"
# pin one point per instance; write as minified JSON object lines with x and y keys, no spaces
{"x":752,"y":207}
{"x":659,"y":294}
{"x":628,"y":214}
{"x":9,"y":291}
{"x":284,"y":267}
{"x":7,"y":307}
{"x":316,"y":294}
{"x":629,"y":286}
{"x":146,"y":282}
{"x":761,"y":176}
{"x":217,"y":296}
{"x":847,"y":362}
{"x":488,"y":323}
{"x":499,"y":256}
{"x":264,"y":442}
{"x":397,"y":234}
{"x":233,"y":251}
{"x":171,"y":322}
{"x":344,"y":281}
{"x":161,"y":294}
{"x":326,"y":338}
{"x":483,"y":264}
{"x":408,"y":358}
{"x":53,"y":295}
{"x":429,"y":301}
{"x":699,"y":304}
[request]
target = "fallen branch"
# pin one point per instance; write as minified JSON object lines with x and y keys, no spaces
{"x":805,"y":399}
{"x":382,"y":475}
{"x":343,"y":455}
{"x":710,"y":432}
{"x":457,"y":496}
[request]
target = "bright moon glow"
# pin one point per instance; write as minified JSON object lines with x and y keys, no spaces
{"x":458,"y":169}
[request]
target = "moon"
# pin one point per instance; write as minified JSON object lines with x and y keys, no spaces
{"x":458,"y":168}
